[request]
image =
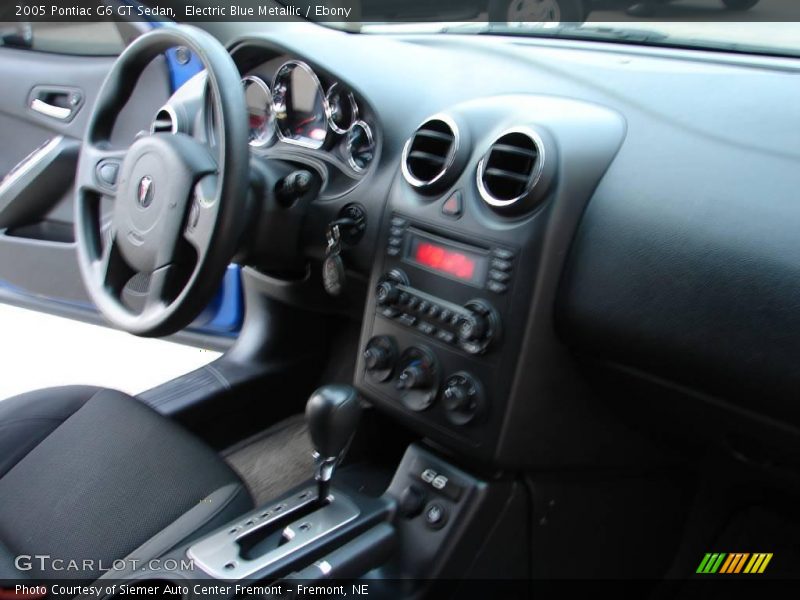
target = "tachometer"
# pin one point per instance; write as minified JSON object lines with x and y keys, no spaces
{"x":301,"y":110}
{"x":360,"y":146}
{"x":342,"y":108}
{"x":258,"y":98}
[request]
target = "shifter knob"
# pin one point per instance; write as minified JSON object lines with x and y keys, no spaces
{"x":332,"y":414}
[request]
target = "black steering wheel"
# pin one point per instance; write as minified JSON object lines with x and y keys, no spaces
{"x":179,"y":205}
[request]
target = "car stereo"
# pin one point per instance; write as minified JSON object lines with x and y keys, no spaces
{"x":433,"y":339}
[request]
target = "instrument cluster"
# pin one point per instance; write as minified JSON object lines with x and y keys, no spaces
{"x":298,"y":108}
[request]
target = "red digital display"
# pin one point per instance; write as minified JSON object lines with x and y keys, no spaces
{"x":439,"y":258}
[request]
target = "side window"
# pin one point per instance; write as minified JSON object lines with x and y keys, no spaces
{"x":87,"y":39}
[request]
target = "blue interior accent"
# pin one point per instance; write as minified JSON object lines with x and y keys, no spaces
{"x":223,"y":316}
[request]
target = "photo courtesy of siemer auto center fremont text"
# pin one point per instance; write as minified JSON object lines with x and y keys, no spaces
{"x":399,"y":299}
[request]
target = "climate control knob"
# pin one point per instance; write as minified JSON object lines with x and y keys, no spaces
{"x":414,"y":377}
{"x":379,"y":357}
{"x":418,"y":381}
{"x":463,"y":398}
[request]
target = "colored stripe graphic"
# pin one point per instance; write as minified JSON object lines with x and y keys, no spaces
{"x":711,"y":562}
{"x":734,"y":562}
{"x":758,"y":563}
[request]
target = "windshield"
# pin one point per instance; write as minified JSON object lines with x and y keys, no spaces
{"x":752,"y":26}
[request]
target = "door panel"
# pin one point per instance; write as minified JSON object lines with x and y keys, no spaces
{"x":37,"y":256}
{"x":38,"y":266}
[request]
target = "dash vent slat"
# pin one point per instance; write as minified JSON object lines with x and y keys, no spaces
{"x":429,"y":153}
{"x":509,"y":169}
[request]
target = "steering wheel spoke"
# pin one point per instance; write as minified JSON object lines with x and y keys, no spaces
{"x":202,"y":216}
{"x":100,"y":168}
{"x":111,"y":268}
{"x":159,"y":289}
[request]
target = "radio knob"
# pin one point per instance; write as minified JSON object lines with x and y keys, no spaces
{"x":386,"y":293}
{"x":472,"y":327}
{"x":477,"y":327}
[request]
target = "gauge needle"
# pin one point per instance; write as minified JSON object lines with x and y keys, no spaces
{"x":310,"y":119}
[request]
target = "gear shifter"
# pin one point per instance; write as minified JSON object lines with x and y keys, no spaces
{"x":332,"y":413}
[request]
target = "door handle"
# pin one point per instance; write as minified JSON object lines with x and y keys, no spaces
{"x":51,"y":110}
{"x":59,"y":103}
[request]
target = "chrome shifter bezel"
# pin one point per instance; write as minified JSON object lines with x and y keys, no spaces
{"x":218,"y":554}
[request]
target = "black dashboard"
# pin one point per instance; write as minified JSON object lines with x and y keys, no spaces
{"x":634,"y":198}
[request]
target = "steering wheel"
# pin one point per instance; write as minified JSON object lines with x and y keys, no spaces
{"x":179,"y":204}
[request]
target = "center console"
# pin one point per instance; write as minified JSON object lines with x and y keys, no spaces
{"x":440,"y":330}
{"x":458,"y":337}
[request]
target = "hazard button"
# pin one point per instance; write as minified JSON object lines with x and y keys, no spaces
{"x":453,"y":206}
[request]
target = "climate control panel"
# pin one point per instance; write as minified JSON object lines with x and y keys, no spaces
{"x":415,"y":377}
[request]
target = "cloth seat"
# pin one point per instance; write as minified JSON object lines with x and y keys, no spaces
{"x":93,"y":475}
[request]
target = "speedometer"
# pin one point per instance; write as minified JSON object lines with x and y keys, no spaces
{"x":258,"y":98}
{"x":301,"y":110}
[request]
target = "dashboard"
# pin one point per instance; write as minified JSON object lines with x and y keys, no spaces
{"x":531,"y":201}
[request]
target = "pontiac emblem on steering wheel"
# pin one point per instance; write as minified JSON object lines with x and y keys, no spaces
{"x":146,"y":189}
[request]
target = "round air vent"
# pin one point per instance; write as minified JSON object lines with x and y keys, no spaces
{"x":511,"y":171}
{"x":429,"y":155}
{"x":166,"y":121}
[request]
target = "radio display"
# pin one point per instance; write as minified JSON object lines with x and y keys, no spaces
{"x":452,"y":260}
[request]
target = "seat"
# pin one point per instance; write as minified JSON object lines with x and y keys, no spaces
{"x":91,"y":474}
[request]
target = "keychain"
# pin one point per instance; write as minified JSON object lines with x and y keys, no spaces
{"x":333,"y":267}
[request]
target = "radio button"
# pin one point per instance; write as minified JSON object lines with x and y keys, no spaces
{"x":497,"y":287}
{"x":424,"y":305}
{"x":503,"y":253}
{"x":395,"y":241}
{"x":445,"y":336}
{"x":399,"y":222}
{"x":393,"y":251}
{"x":434,"y":310}
{"x":445,"y":315}
{"x":407,"y":319}
{"x":499,"y":276}
{"x":426,"y":328}
{"x":500,"y":264}
{"x":396,"y":231}
{"x":389,"y":312}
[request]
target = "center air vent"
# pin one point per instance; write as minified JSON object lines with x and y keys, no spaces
{"x":430,"y":152}
{"x":511,"y":169}
{"x":166,"y":121}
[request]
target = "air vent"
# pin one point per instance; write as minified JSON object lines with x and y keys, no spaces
{"x":511,"y":168}
{"x":166,"y":121}
{"x":430,"y":152}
